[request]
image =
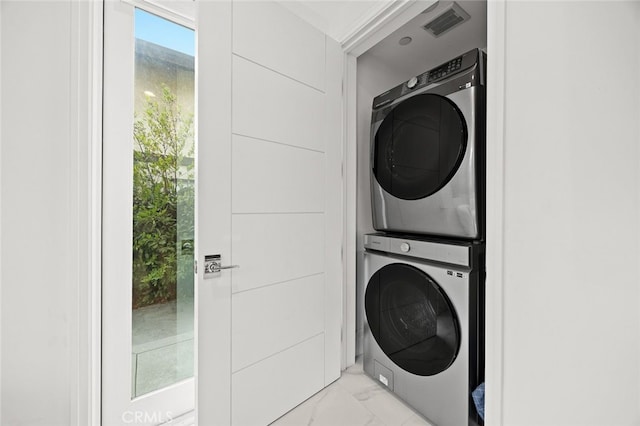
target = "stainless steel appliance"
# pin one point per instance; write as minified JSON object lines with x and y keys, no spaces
{"x":427,"y":152}
{"x":423,"y":336}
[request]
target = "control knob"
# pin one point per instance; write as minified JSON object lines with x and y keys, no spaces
{"x":412,"y":83}
{"x":405,"y":247}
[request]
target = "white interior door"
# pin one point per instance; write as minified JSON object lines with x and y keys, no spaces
{"x":269,"y":201}
{"x":268,"y":198}
{"x":213,"y":230}
{"x":148,"y":217}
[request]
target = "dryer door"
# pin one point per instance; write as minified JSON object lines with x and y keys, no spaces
{"x":412,"y":319}
{"x":419,"y":146}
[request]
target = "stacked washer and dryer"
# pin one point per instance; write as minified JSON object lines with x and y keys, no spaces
{"x":424,"y":270}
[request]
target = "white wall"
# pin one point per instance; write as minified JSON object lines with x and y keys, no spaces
{"x":571,"y":325}
{"x":45,"y":175}
{"x":35,"y":222}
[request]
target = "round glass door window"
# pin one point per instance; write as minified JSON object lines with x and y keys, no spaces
{"x":412,"y":319}
{"x":419,"y":146}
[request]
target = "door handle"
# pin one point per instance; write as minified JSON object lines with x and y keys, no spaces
{"x":219,"y":268}
{"x":213,"y":265}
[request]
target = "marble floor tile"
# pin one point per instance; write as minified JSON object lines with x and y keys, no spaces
{"x":353,"y":400}
{"x":333,"y":407}
{"x":416,"y":420}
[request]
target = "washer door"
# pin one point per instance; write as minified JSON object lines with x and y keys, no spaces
{"x":419,"y":146}
{"x":412,"y":319}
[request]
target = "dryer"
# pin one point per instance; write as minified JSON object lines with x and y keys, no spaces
{"x":427,"y":152}
{"x":424,"y":321}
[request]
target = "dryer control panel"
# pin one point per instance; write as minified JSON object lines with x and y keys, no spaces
{"x":444,"y":70}
{"x":441,"y":72}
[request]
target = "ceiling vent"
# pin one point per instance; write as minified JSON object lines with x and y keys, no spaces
{"x":450,"y":18}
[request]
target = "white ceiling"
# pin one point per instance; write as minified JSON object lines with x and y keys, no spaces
{"x":337,"y":18}
{"x":427,"y":51}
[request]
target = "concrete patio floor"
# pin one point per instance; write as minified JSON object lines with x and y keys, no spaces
{"x":162,"y":345}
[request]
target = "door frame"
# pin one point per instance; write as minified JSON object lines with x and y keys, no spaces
{"x":85,"y":322}
{"x":381,"y":23}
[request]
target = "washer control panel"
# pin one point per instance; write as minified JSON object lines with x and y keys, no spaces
{"x":448,"y":252}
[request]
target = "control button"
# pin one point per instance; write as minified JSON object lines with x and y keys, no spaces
{"x":405,"y":247}
{"x":412,"y":83}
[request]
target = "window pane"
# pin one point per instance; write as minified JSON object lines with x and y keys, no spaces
{"x":163,"y":204}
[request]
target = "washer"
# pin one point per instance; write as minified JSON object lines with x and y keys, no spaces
{"x":423,"y":333}
{"x":427,"y":152}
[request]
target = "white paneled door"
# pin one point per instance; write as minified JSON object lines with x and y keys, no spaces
{"x":268,"y":200}
{"x":222,"y":141}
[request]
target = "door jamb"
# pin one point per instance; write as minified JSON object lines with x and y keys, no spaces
{"x":85,"y":210}
{"x":495,"y":254}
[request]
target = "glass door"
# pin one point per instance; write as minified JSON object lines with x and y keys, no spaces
{"x":149,"y":206}
{"x":419,"y":146}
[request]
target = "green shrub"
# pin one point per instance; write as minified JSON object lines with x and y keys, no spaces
{"x":163,"y":200}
